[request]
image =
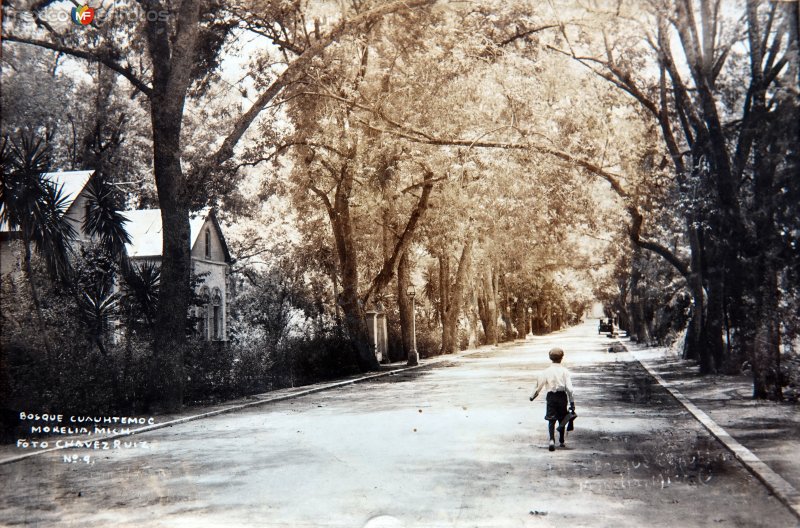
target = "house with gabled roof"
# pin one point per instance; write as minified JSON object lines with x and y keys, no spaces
{"x":72,"y":185}
{"x":211,"y":259}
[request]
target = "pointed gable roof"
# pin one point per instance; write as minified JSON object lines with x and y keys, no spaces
{"x":71,"y":184}
{"x":145,"y":229}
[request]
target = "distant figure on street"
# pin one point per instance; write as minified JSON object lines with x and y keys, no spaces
{"x":556,"y":381}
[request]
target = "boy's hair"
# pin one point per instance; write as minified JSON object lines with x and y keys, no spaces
{"x":556,"y":355}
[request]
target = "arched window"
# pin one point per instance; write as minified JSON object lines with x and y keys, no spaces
{"x":208,"y":243}
{"x":202,"y":325}
{"x":216,"y":314}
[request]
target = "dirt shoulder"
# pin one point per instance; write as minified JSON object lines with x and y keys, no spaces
{"x":771,"y":430}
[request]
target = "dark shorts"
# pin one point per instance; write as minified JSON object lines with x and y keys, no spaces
{"x":556,"y":405}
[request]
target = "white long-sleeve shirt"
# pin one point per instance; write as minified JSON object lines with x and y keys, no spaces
{"x":554,"y":378}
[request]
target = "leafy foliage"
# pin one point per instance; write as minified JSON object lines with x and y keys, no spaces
{"x":103,"y":217}
{"x":32,"y":204}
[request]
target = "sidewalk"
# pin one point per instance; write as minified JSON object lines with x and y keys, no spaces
{"x":763,"y":435}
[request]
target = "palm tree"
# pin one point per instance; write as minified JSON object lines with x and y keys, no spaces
{"x":141,"y":288}
{"x":98,"y":307}
{"x":35,"y":207}
{"x":97,"y":300}
{"x":103,"y":218}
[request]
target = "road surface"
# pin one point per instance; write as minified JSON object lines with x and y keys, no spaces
{"x":456,"y":445}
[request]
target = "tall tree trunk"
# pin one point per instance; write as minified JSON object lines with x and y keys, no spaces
{"x":336,"y":307}
{"x":703,"y":340}
{"x":37,"y":305}
{"x":455,"y":301}
{"x":388,"y":226}
{"x":766,"y":357}
{"x":523,"y":321}
{"x":505,"y":311}
{"x":405,"y":308}
{"x":167,"y":374}
{"x":353,"y":305}
{"x":444,"y":283}
{"x":472,"y":317}
{"x":714,"y":349}
{"x":173,"y":58}
{"x":766,"y":354}
{"x":354,"y":313}
{"x":352,"y":308}
{"x":487,"y":307}
{"x":641,"y":328}
{"x":693,"y":343}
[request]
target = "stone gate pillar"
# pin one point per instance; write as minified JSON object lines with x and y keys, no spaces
{"x":378,"y":334}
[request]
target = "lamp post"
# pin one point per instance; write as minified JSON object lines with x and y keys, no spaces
{"x":413,"y":356}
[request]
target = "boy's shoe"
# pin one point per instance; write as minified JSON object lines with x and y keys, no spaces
{"x":562,"y":444}
{"x":552,"y":445}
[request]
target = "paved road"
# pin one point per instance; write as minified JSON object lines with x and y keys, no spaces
{"x":455,"y":445}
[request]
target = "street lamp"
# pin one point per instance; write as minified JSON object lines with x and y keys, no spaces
{"x":413,"y":356}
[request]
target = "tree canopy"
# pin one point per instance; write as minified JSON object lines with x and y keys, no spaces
{"x":514,"y":162}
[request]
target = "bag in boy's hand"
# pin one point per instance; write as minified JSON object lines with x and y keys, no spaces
{"x":571,"y":415}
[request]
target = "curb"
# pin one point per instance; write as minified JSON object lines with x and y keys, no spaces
{"x":264,"y":401}
{"x":783,"y":490}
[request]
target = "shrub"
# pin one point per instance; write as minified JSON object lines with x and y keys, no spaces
{"x":429,"y":342}
{"x":305,"y":360}
{"x":209,"y":372}
{"x":251,"y":370}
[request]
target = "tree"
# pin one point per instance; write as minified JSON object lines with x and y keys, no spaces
{"x":103,"y":217}
{"x":721,"y":105}
{"x":178,"y":46}
{"x":35,"y":207}
{"x":491,"y":144}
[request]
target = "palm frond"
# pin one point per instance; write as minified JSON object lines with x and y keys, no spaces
{"x":35,"y":206}
{"x":98,"y":307}
{"x":53,"y":234}
{"x":142,"y":283}
{"x":103,"y":218}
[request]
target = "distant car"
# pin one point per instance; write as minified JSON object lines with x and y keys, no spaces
{"x":605,"y":326}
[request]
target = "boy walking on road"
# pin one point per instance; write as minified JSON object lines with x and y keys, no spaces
{"x":556,"y":381}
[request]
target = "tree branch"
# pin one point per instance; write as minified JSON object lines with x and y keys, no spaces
{"x":296,"y":68}
{"x":387,"y":271}
{"x":524,"y":34}
{"x":87,"y":55}
{"x":636,"y":217}
{"x":324,"y":197}
{"x":634,"y":232}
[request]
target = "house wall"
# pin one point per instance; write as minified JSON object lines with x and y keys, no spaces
{"x":11,"y":250}
{"x":75,"y":216}
{"x":10,"y":255}
{"x":208,"y":260}
{"x":214,"y":276}
{"x":212,"y":265}
{"x":217,"y":253}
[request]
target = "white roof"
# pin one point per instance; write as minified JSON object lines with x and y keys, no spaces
{"x":71,"y":184}
{"x":144,"y":228}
